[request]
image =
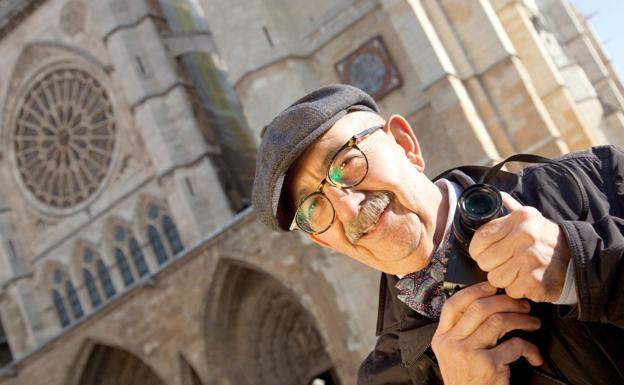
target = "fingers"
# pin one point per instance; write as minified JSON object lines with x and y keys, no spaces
{"x":497,"y":325}
{"x":509,"y":202}
{"x":514,"y":348}
{"x":482,"y":310}
{"x":503,"y":276}
{"x":455,"y":306}
{"x":489,"y":234}
{"x":498,"y":252}
{"x":500,"y":239}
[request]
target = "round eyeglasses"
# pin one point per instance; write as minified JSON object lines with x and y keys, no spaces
{"x":347,"y":168}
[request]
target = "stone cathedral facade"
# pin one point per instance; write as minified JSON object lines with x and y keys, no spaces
{"x":128,"y":250}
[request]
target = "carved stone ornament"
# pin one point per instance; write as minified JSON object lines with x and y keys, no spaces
{"x":370,"y":68}
{"x":64,"y":137}
{"x":73,"y":17}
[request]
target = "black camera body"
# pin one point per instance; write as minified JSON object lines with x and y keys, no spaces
{"x":477,"y":205}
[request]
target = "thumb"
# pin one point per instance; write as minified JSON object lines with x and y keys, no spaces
{"x":510,"y":203}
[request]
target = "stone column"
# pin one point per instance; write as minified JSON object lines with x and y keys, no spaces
{"x":438,"y":79}
{"x":504,"y":77}
{"x":19,"y":310}
{"x":163,"y":113}
{"x":593,"y":39}
{"x":578,"y":44}
{"x":544,"y":74}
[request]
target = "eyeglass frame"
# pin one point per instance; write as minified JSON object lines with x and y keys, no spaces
{"x":351,"y":143}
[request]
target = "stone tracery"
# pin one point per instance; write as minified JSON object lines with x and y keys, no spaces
{"x":64,"y":137}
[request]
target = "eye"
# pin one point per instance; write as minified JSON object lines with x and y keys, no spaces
{"x":311,"y":208}
{"x":347,"y":161}
{"x":302,"y":221}
{"x":335,"y":174}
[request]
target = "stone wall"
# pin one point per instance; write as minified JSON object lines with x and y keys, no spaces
{"x":477,"y":80}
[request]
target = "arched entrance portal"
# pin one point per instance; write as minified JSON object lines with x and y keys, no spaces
{"x":258,"y":333}
{"x":113,"y":366}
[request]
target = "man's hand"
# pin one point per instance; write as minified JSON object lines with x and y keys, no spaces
{"x":523,"y":253}
{"x":471,"y":323}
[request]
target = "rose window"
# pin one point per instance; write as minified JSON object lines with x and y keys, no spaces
{"x":64,"y":137}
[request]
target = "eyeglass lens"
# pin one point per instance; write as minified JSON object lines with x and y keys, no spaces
{"x":316,"y":213}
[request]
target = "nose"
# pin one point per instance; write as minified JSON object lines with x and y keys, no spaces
{"x":346,"y":202}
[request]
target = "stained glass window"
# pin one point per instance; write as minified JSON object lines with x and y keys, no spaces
{"x":105,"y":279}
{"x":58,"y":276}
{"x":88,"y":256}
{"x":61,"y":311}
{"x":153,"y":211}
{"x":124,"y":268}
{"x":74,"y":301}
{"x":64,"y":137}
{"x":120,"y":234}
{"x":157,"y":245}
{"x":172,"y":235}
{"x":94,"y":295}
{"x":138,"y":258}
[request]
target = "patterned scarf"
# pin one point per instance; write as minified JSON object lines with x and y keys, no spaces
{"x":422,"y":290}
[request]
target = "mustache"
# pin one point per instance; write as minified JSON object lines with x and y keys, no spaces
{"x":368,"y":216}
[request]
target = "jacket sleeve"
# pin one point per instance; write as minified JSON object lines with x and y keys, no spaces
{"x":598,"y":251}
{"x":597,"y":246}
{"x":384,"y":366}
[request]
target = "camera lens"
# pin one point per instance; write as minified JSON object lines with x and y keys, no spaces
{"x":480,"y":203}
{"x":477,"y":205}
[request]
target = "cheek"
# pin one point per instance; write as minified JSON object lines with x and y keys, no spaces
{"x":389,"y":173}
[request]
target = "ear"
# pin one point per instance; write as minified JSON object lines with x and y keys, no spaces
{"x":319,"y":241}
{"x":402,"y":133}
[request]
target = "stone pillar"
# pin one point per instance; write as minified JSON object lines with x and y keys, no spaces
{"x":593,"y":39}
{"x":438,"y":79}
{"x":544,"y":73}
{"x":615,"y":123}
{"x":21,"y":316}
{"x":164,"y":115}
{"x":19,"y":310}
{"x":481,"y":100}
{"x":504,"y":77}
{"x":578,"y":44}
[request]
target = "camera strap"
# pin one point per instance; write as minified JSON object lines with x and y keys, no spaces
{"x":531,"y":158}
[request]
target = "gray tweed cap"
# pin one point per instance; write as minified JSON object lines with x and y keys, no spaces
{"x":288,"y":136}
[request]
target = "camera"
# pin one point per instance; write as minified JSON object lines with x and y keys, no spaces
{"x":477,"y":205}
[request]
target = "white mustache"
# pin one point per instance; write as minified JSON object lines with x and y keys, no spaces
{"x":368,"y":216}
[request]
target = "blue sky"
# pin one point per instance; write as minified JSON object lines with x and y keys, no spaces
{"x":608,"y":22}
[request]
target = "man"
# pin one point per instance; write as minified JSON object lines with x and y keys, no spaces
{"x":330,"y":166}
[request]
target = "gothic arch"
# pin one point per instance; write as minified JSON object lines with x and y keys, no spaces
{"x":59,"y":293}
{"x":125,"y":248}
{"x":257,"y":331}
{"x":93,"y":271}
{"x":99,"y":363}
{"x":15,"y":328}
{"x":158,"y":229}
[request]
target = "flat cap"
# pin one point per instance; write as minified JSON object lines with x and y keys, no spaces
{"x":288,"y":136}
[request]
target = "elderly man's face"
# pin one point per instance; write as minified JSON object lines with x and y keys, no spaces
{"x":402,"y":237}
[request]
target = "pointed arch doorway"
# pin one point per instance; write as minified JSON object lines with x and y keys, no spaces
{"x":108,"y":365}
{"x":258,"y":333}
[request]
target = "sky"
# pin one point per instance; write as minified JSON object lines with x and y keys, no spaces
{"x":607,"y":20}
